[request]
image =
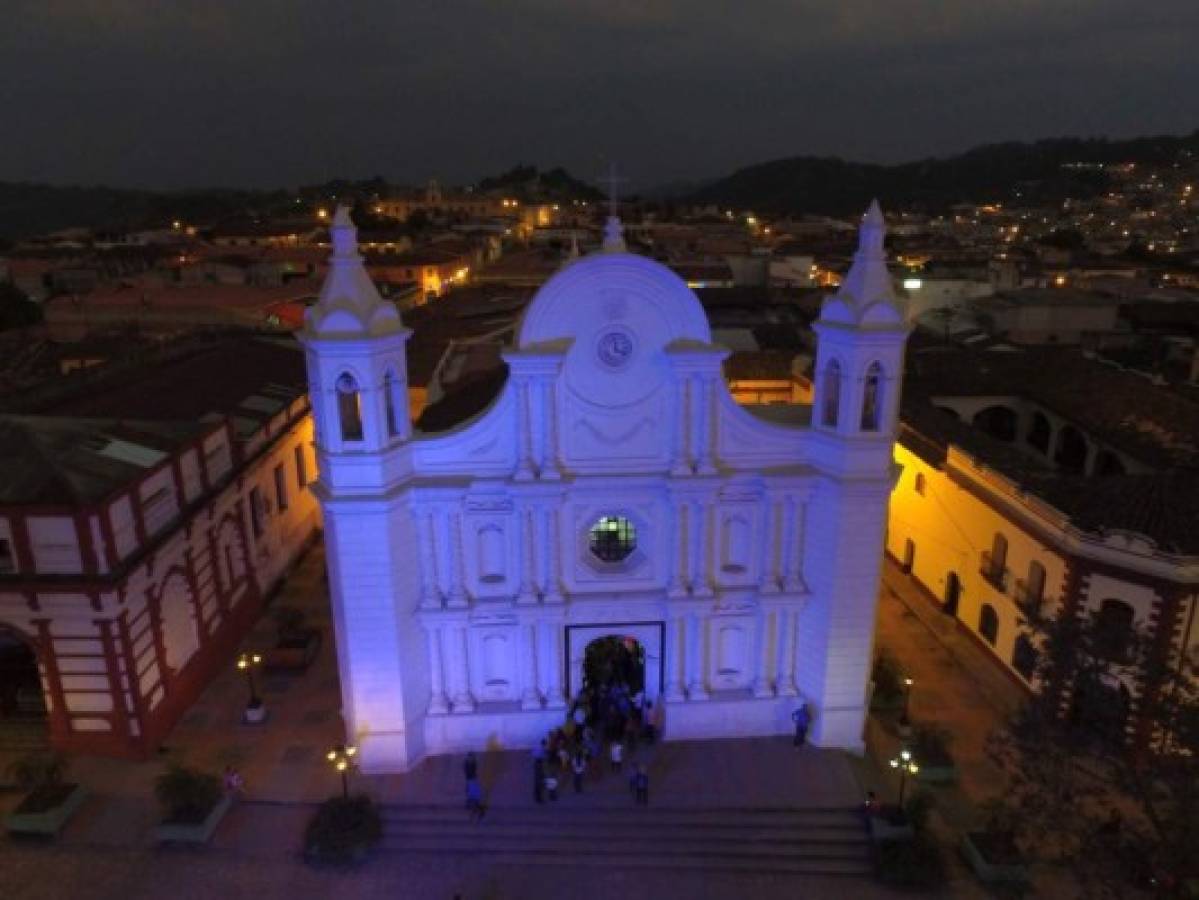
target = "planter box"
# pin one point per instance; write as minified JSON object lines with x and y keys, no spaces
{"x":882,"y":830}
{"x":294,"y":656}
{"x":48,"y":822}
{"x":991,"y":872}
{"x":197,"y":833}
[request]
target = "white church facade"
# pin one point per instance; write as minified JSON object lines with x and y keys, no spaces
{"x":613,"y":488}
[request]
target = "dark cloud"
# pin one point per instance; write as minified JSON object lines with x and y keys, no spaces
{"x":264,"y":92}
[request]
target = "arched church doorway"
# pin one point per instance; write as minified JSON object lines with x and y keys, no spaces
{"x":614,"y":661}
{"x":599,"y":654}
{"x":23,"y":723}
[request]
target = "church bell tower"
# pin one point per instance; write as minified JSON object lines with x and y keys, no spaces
{"x":861,"y":335}
{"x":355,"y":342}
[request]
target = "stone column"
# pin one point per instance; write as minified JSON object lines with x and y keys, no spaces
{"x":698,"y":527}
{"x":680,"y":464}
{"x":527,"y":591}
{"x":785,"y":684}
{"x":785,"y":555}
{"x":464,"y":701}
{"x":550,"y":642}
{"x":552,"y":555}
{"x":456,"y":596}
{"x":530,"y":697}
{"x":794,"y":582}
{"x":439,"y":703}
{"x":524,"y":431}
{"x":696,"y":689}
{"x":550,"y":469}
{"x":676,"y":559}
{"x":703,"y":426}
{"x":430,"y":593}
{"x":762,"y":686}
{"x":673,"y":689}
{"x":768,"y":580}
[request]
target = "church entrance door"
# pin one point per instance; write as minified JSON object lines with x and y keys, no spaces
{"x":629,"y":652}
{"x":22,"y":706}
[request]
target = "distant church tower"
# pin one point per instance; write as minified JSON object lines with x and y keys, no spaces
{"x":861,"y":333}
{"x":357,"y":369}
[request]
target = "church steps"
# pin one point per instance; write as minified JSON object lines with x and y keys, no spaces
{"x":825,"y":841}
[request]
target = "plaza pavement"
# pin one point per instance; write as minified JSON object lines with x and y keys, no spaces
{"x":108,"y":850}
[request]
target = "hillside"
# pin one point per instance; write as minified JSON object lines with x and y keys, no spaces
{"x":993,"y":173}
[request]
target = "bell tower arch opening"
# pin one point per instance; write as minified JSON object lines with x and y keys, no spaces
{"x":23,"y":708}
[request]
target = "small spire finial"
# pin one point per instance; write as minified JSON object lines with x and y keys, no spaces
{"x":342,"y":233}
{"x":873,"y":230}
{"x":612,"y":181}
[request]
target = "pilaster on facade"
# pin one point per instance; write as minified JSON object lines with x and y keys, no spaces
{"x":524,"y":432}
{"x":773,"y":546}
{"x":680,"y":458}
{"x":700,"y":575}
{"x":430,"y":592}
{"x":526,"y":541}
{"x":763,"y":684}
{"x":551,"y":592}
{"x":704,"y":432}
{"x":452,"y":530}
{"x":551,"y":469}
{"x":530,"y":697}
{"x":464,"y":700}
{"x":551,"y":640}
{"x":697,"y":690}
{"x":439,"y":703}
{"x":785,"y":670}
{"x":674,"y":651}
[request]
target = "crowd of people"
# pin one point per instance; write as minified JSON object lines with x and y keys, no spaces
{"x":603,"y":725}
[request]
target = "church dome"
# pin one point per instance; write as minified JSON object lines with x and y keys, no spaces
{"x":623,"y":291}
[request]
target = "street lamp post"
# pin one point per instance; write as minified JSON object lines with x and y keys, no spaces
{"x":247,"y":663}
{"x":906,"y":766}
{"x":341,"y":758}
{"x":907,"y":697}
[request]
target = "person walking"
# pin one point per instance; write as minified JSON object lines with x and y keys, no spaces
{"x":616,"y":754}
{"x":474,"y":799}
{"x":470,"y":766}
{"x":641,"y":786}
{"x":551,"y":786}
{"x":579,"y":769}
{"x":802,"y":719}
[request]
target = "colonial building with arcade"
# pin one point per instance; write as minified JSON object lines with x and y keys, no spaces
{"x":613,"y":489}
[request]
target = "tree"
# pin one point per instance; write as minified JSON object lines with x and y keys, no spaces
{"x":1100,"y":778}
{"x":17,"y":310}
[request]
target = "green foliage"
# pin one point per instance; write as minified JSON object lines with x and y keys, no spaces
{"x":917,"y":810}
{"x":187,"y":795}
{"x":342,"y":830}
{"x":289,"y":621}
{"x":887,"y":678}
{"x":930,"y":745}
{"x":38,"y":770}
{"x":916,"y":864}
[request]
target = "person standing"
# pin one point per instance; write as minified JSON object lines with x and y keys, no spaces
{"x":641,"y":786}
{"x":802,"y":719}
{"x":474,"y":799}
{"x":470,"y":766}
{"x":539,"y":772}
{"x":551,"y":785}
{"x":579,"y":769}
{"x":616,"y":754}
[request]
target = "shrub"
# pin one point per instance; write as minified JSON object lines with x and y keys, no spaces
{"x":910,"y":864}
{"x":187,"y":795}
{"x":38,"y":770}
{"x":887,"y":678}
{"x":917,"y":810}
{"x":342,"y":830}
{"x":289,"y":622}
{"x":930,"y":745}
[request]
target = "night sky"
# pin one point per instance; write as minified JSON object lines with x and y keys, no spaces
{"x":173,"y":93}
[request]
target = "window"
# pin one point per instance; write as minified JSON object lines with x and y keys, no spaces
{"x":257,"y":511}
{"x":8,"y":562}
{"x":158,"y":509}
{"x":872,"y":397}
{"x":988,"y":624}
{"x":999,"y":550}
{"x":280,"y":488}
{"x":395,"y":404}
{"x":1034,"y":587}
{"x":1024,"y":657}
{"x":921,"y":483}
{"x":832,"y":394}
{"x":994,"y":563}
{"x":1114,"y":629}
{"x":613,"y":538}
{"x":301,"y":468}
{"x":349,"y":407}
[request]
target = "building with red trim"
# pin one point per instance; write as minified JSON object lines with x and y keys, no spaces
{"x":142,"y":525}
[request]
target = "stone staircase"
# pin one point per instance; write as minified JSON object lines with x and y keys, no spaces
{"x":799,"y":840}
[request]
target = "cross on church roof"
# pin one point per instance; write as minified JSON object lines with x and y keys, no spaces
{"x":612,"y":182}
